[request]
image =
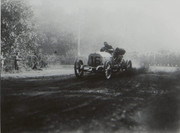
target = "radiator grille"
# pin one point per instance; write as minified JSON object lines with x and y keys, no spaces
{"x":94,"y":60}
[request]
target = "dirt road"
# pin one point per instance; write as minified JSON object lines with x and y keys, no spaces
{"x":138,"y":102}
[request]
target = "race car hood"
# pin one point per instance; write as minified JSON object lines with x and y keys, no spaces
{"x":105,"y":54}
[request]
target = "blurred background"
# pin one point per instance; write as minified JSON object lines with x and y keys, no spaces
{"x":45,"y":32}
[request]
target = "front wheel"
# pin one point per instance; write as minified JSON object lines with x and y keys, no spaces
{"x":107,"y":70}
{"x":78,"y":68}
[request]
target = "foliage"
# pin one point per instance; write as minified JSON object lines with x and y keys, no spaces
{"x":37,"y":42}
{"x":55,"y":41}
{"x":18,"y":32}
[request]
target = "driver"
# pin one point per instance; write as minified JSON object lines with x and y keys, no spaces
{"x":107,"y":48}
{"x":118,"y":54}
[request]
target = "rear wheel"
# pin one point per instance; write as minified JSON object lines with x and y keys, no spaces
{"x":107,"y":70}
{"x":79,"y":68}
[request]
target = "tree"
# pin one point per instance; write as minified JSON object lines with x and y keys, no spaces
{"x":18,"y":30}
{"x":53,"y":39}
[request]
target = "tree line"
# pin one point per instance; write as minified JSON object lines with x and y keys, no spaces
{"x":160,"y":58}
{"x":34,"y":44}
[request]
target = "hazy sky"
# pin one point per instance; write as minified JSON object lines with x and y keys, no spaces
{"x":148,"y":25}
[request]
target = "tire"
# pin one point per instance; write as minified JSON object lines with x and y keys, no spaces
{"x":78,"y":68}
{"x":107,"y":70}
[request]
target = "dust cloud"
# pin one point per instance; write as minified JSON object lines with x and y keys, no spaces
{"x":139,"y":25}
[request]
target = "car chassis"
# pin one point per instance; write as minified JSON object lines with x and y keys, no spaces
{"x":101,"y":62}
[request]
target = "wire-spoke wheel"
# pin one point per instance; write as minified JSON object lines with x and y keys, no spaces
{"x":107,"y":70}
{"x":79,"y":68}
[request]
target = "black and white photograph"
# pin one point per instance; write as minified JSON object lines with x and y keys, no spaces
{"x":90,"y":66}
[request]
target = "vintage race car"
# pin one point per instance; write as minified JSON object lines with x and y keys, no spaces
{"x":102,"y":62}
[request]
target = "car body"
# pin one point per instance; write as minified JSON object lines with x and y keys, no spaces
{"x":102,"y":62}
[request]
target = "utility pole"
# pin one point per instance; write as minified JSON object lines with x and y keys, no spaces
{"x":79,"y":37}
{"x":79,"y":32}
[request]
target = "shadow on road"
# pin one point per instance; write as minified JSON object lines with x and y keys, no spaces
{"x":130,"y":102}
